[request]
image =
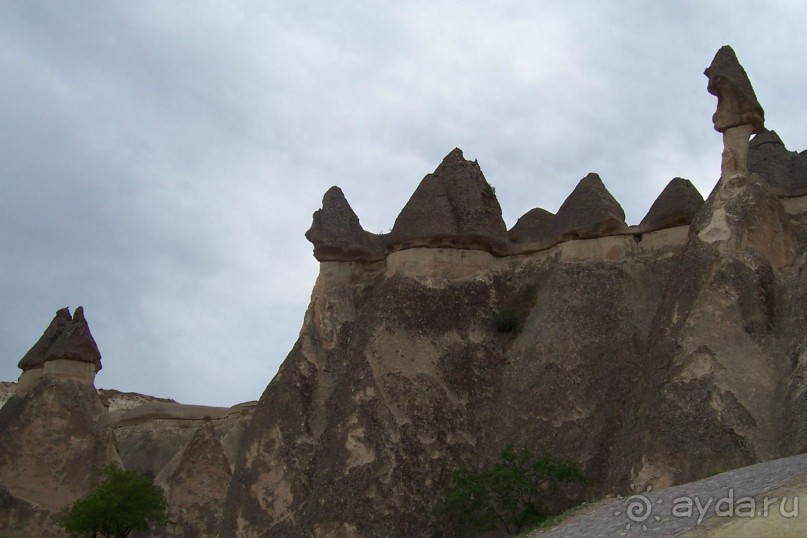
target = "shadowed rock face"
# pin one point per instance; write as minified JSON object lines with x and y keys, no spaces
{"x":736,"y":101}
{"x":589,"y":211}
{"x":337,"y":234}
{"x":676,"y":205}
{"x":196,"y":482}
{"x":53,"y":441}
{"x":785,"y":171}
{"x":535,"y":226}
{"x":67,"y":337}
{"x":453,"y":206}
{"x":35,"y":357}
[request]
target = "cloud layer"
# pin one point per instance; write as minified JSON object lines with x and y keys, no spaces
{"x":161,"y":161}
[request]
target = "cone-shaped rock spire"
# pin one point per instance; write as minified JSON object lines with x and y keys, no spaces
{"x":589,"y":211}
{"x":675,"y":206}
{"x":736,"y":101}
{"x":534,"y":226}
{"x":67,"y":337}
{"x":337,"y":234}
{"x":454,"y":205}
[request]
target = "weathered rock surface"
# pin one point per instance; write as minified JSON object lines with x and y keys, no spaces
{"x":785,"y":171}
{"x":150,"y":435}
{"x":534,"y":226}
{"x":196,"y":482}
{"x":337,"y":234}
{"x":53,"y":440}
{"x":736,"y":101}
{"x":589,"y":211}
{"x":454,"y":206}
{"x":676,"y":206}
{"x":66,"y":338}
{"x":35,"y":357}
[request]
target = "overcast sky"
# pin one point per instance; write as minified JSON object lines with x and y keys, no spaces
{"x":160,"y":160}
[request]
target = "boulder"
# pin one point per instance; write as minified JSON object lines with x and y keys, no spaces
{"x":675,"y":206}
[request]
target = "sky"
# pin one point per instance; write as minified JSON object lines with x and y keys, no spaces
{"x":160,"y":161}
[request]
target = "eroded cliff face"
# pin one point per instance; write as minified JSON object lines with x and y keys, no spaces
{"x":651,"y":355}
{"x":53,"y":441}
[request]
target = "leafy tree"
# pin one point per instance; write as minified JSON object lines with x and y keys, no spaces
{"x":124,"y":501}
{"x":511,"y":493}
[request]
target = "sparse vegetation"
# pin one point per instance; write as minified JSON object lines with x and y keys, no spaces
{"x":123,"y":502}
{"x":511,"y":494}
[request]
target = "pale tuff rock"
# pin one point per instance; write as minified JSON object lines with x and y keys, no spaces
{"x":337,"y":234}
{"x":676,"y":206}
{"x":196,"y":482}
{"x":455,"y":207}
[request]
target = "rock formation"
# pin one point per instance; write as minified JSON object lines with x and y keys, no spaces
{"x":454,"y":206}
{"x":676,"y":206}
{"x":651,"y":355}
{"x":65,"y":349}
{"x":54,"y":434}
{"x":738,"y":114}
{"x":196,"y":481}
{"x":785,"y":171}
{"x":337,"y":234}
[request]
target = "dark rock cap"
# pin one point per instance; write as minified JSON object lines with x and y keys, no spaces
{"x":67,"y":337}
{"x":455,"y":204}
{"x":35,"y":357}
{"x":675,"y":206}
{"x":736,"y":101}
{"x":534,"y":226}
{"x":337,"y":234}
{"x":783,"y":170}
{"x":589,"y":211}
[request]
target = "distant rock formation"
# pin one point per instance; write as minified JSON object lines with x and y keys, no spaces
{"x":676,"y":206}
{"x":55,"y":434}
{"x":196,"y":481}
{"x":66,"y":349}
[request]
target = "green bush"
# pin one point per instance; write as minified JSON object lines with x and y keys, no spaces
{"x":511,"y":494}
{"x":124,"y":501}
